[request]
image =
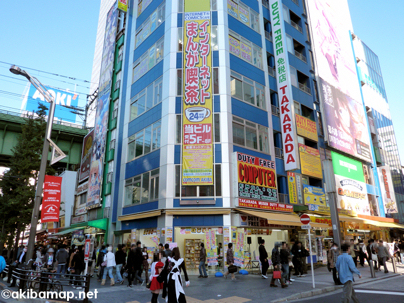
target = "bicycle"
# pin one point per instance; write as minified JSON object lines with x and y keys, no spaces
{"x":52,"y":284}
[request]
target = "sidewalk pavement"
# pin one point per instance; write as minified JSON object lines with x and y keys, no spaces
{"x":247,"y":288}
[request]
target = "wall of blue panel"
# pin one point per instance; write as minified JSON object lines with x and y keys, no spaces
{"x":201,"y":220}
{"x":216,"y":104}
{"x":218,"y":153}
{"x":246,"y":69}
{"x":144,"y":120}
{"x":140,"y":224}
{"x":219,"y":202}
{"x":143,"y":164}
{"x":251,"y":152}
{"x":302,"y":97}
{"x":179,"y":60}
{"x":140,"y":208}
{"x":178,"y":104}
{"x":280,"y":167}
{"x":276,"y":123}
{"x":245,"y":31}
{"x":253,"y":4}
{"x":249,"y":112}
{"x":177,"y":154}
{"x":146,"y":79}
{"x":146,"y":44}
{"x":179,"y":20}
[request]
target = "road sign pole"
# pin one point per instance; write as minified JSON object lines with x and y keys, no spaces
{"x":311,"y":259}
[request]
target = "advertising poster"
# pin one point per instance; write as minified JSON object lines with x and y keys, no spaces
{"x":306,"y":128}
{"x":101,"y":118}
{"x":86,"y":156}
{"x":34,"y":97}
{"x":244,"y":14}
{"x":234,"y":46}
{"x":264,"y":205}
{"x":169,"y":235}
{"x":51,"y":199}
{"x":389,"y":198}
{"x":197,"y":149}
{"x":123,"y":5}
{"x":287,"y":117}
{"x":299,"y":188}
{"x":211,"y":247}
{"x":256,"y":178}
{"x":232,"y":9}
{"x":349,"y":182}
{"x":293,"y":199}
{"x":345,"y":118}
{"x":78,"y":237}
{"x":238,"y":249}
{"x":310,"y":161}
{"x":314,"y":197}
{"x":246,"y":51}
{"x":133,"y":236}
{"x":142,"y":5}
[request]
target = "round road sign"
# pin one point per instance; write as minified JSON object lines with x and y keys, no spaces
{"x":305,"y":219}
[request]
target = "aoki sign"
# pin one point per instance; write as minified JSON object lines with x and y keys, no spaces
{"x":290,"y":147}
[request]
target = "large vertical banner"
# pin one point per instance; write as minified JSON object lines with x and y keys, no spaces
{"x":293,"y":198}
{"x":389,"y":198}
{"x":101,"y":118}
{"x":288,"y":126}
{"x":345,"y":118}
{"x":51,"y":199}
{"x":86,"y":156}
{"x":197,"y":148}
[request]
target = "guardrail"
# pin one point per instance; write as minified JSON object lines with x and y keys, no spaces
{"x":268,"y":36}
{"x":300,"y":56}
{"x":296,"y":26}
{"x":275,"y":111}
{"x":271,"y":71}
{"x":304,"y":88}
{"x":283,"y":198}
{"x":278,"y":152}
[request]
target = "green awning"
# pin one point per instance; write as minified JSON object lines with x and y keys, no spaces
{"x":82,"y":224}
{"x":100,"y":223}
{"x":67,"y":231}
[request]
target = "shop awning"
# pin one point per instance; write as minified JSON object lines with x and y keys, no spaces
{"x":385,"y":224}
{"x":352,"y":219}
{"x":142,"y":215}
{"x":67,"y":231}
{"x":281,"y":219}
{"x":198,"y":211}
{"x":100,"y":223}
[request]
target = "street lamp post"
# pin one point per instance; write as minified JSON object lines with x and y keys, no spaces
{"x":42,"y":170}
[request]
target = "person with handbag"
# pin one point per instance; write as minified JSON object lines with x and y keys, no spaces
{"x":373,"y":246}
{"x":383,"y":254}
{"x":276,"y":263}
{"x":231,"y":269}
{"x":154,"y":285}
{"x":109,"y":258}
{"x":332,"y":257}
{"x":263,"y":259}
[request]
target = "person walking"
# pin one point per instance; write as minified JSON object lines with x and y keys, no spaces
{"x":156,"y":268}
{"x":263,"y":259}
{"x":373,"y":247}
{"x":354,"y":252}
{"x":100,"y":261}
{"x":397,"y":251}
{"x":167,"y":251}
{"x":284,"y":256}
{"x":70,"y":267}
{"x":50,"y":262}
{"x":130,"y":265}
{"x":332,"y":261}
{"x":175,"y":290}
{"x":79,"y":266}
{"x":138,"y":261}
{"x":363,"y":255}
{"x":297,"y":252}
{"x":109,"y":257}
{"x":120,"y":259}
{"x":92,"y":262}
{"x":145,"y":263}
{"x":229,"y":261}
{"x":276,"y":263}
{"x":382,"y":254}
{"x":62,"y":257}
{"x":202,"y":260}
{"x":346,"y":268}
{"x":401,"y":247}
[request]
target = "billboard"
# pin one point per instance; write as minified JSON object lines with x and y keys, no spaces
{"x":62,"y":98}
{"x":310,"y":161}
{"x":86,"y":156}
{"x":345,"y":118}
{"x":306,"y":128}
{"x":389,"y":198}
{"x":350,"y":184}
{"x":51,"y":199}
{"x":123,"y":5}
{"x":197,"y":147}
{"x":293,"y":197}
{"x":101,"y":118}
{"x":289,"y":138}
{"x":256,"y":178}
{"x":314,"y":198}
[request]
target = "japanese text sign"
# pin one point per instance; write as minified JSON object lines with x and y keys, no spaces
{"x":51,"y":199}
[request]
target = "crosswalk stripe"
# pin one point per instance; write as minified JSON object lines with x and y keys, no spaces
{"x":392,"y":293}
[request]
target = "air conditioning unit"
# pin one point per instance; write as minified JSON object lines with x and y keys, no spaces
{"x":112,"y":144}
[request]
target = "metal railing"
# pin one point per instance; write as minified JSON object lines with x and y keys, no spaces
{"x":268,"y":35}
{"x":275,"y":111}
{"x":278,"y":152}
{"x":296,"y":2}
{"x":283,"y":198}
{"x":304,"y":88}
{"x":300,"y":56}
{"x":271,"y":71}
{"x":296,"y":26}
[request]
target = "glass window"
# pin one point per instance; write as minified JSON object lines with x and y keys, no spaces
{"x":251,"y":138}
{"x":179,"y":82}
{"x":300,"y":139}
{"x":139,"y":145}
{"x":286,"y":14}
{"x":178,"y":129}
{"x":214,"y":38}
{"x":297,"y":108}
{"x":189,"y":191}
{"x":215,"y":81}
{"x":238,"y":134}
{"x":145,"y":187}
{"x":181,"y":39}
{"x":149,"y":95}
{"x":218,"y":179}
{"x":254,"y":21}
{"x":293,"y":76}
{"x":128,"y":195}
{"x":158,"y":91}
{"x":216,"y":121}
{"x":248,"y":93}
{"x":257,"y":56}
{"x":147,"y":140}
{"x":156,"y":135}
{"x":236,"y":88}
{"x":289,"y":44}
{"x":260,"y":96}
{"x":263,"y":139}
{"x":136,"y":189}
{"x":141,"y":103}
{"x":131,"y":151}
{"x":177,"y":180}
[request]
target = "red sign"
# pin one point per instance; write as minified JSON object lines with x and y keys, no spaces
{"x":305,"y":219}
{"x":265,"y":205}
{"x":51,"y":199}
{"x":87,"y":249}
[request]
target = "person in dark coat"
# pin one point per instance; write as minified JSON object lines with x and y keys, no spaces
{"x":130,"y":265}
{"x":297,"y":252}
{"x":100,"y":260}
{"x":174,"y":285}
{"x":79,"y":266}
{"x":276,"y":263}
{"x":138,"y":262}
{"x":263,"y":259}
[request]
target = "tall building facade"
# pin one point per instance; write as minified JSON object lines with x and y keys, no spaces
{"x":381,"y":126}
{"x":231,"y":118}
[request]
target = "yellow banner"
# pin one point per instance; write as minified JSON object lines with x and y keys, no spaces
{"x":292,"y":188}
{"x":306,"y":128}
{"x":123,"y":5}
{"x":310,"y":161}
{"x":197,"y":147}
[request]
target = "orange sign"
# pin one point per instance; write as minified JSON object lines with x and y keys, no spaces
{"x":306,"y":128}
{"x":310,"y":161}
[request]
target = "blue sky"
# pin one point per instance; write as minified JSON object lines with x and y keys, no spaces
{"x":377,"y":24}
{"x":59,"y":37}
{"x":52,"y":36}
